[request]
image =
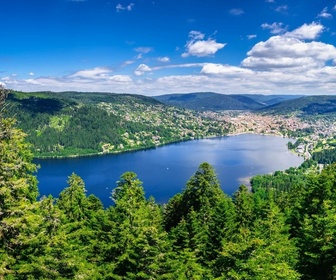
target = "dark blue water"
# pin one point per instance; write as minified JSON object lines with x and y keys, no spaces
{"x":164,"y":171}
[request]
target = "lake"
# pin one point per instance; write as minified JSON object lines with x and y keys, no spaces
{"x":165,"y":170}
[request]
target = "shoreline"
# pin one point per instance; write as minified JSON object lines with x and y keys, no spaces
{"x":152,"y":147}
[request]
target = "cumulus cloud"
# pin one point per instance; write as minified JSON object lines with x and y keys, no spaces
{"x":275,"y":27}
{"x":120,"y":8}
{"x":324,"y":13}
{"x":31,"y":74}
{"x":291,"y":62}
{"x":306,"y":31}
{"x":291,"y":51}
{"x":236,"y":12}
{"x":142,"y":69}
{"x":196,"y":46}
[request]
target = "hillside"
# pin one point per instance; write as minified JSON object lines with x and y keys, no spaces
{"x":209,"y":101}
{"x":77,"y":123}
{"x":268,"y":100}
{"x":304,"y":106}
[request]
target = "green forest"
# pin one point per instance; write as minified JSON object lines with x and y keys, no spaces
{"x":285,"y":228}
{"x":66,"y":124}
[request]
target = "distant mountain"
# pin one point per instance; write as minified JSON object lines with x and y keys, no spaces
{"x":268,"y":100}
{"x":210,"y":101}
{"x":304,"y":106}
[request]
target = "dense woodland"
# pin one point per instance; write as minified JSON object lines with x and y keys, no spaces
{"x":73,"y":123}
{"x":284,"y":229}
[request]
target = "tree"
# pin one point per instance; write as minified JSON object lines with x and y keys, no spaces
{"x":315,"y":226}
{"x":73,"y":201}
{"x":200,"y":217}
{"x":18,"y":192}
{"x":139,"y":248}
{"x":262,"y":251}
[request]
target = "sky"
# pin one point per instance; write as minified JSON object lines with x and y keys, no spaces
{"x":154,"y":47}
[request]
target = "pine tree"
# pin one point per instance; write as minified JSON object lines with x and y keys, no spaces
{"x":315,"y":226}
{"x":262,"y":251}
{"x":139,"y":248}
{"x":18,"y":193}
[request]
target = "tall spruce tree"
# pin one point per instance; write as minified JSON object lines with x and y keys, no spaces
{"x":315,"y":226}
{"x":139,"y":249}
{"x":18,"y":193}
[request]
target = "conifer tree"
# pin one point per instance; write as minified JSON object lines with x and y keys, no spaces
{"x":139,"y":248}
{"x":261,"y":251}
{"x":315,"y":226}
{"x":18,"y":193}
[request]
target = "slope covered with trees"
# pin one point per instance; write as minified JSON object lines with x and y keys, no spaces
{"x":210,"y":101}
{"x":74,"y":123}
{"x":284,"y":229}
{"x":304,"y":106}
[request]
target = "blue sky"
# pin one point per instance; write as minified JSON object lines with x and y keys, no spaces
{"x":153,"y":47}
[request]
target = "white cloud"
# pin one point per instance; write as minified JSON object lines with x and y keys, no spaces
{"x":33,"y":82}
{"x":251,"y":36}
{"x":196,"y":46}
{"x":216,"y":69}
{"x":236,"y":12}
{"x":121,"y":78}
{"x":275,"y":27}
{"x":95,"y":73}
{"x":290,"y":63}
{"x":334,"y":8}
{"x":196,"y":35}
{"x":142,"y":69}
{"x":163,"y":59}
{"x":120,"y":7}
{"x":291,"y":52}
{"x":269,"y":1}
{"x":142,"y":51}
{"x":324,"y":13}
{"x":307,"y":31}
{"x":31,"y":74}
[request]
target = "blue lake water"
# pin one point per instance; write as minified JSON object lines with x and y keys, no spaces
{"x":165,"y":170}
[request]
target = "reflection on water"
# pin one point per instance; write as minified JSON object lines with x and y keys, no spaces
{"x":164,"y":171}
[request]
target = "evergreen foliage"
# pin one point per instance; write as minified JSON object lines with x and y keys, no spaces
{"x":77,"y":124}
{"x":284,"y":229}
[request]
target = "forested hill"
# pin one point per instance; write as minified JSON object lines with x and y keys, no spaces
{"x":304,"y":106}
{"x":77,"y":123}
{"x":204,"y":101}
{"x":209,"y":101}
